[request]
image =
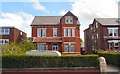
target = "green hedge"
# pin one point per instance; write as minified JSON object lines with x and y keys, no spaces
{"x":30,"y":61}
{"x":112,"y":58}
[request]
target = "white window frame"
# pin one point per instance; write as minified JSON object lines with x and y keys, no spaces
{"x":39,"y":32}
{"x":2,"y":41}
{"x":44,"y":32}
{"x":113,"y":31}
{"x":69,"y":20}
{"x":3,"y":31}
{"x":65,"y":32}
{"x":115,"y":45}
{"x":73,"y":32}
{"x":69,"y":32}
{"x":54,"y":32}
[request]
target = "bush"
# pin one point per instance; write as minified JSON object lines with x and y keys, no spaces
{"x":30,"y":61}
{"x":112,"y":58}
{"x":14,"y":48}
{"x":11,"y":48}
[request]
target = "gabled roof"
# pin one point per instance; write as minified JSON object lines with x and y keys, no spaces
{"x":108,"y":21}
{"x":51,"y":20}
{"x":46,"y":20}
{"x":69,"y":14}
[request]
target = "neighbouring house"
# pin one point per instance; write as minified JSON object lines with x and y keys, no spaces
{"x":103,"y":34}
{"x":57,"y":33}
{"x":11,"y":34}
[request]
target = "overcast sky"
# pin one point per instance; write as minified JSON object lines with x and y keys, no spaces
{"x":20,"y":13}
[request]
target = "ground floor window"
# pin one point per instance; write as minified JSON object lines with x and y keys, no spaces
{"x":42,"y":46}
{"x":69,"y":48}
{"x":113,"y":45}
{"x":4,"y":41}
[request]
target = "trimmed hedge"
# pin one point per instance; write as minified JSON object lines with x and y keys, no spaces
{"x":112,"y":58}
{"x":30,"y":61}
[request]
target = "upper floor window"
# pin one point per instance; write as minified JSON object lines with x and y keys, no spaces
{"x":69,"y":32}
{"x":4,"y":31}
{"x":4,"y":41}
{"x":113,"y":32}
{"x":65,"y":32}
{"x":69,"y":20}
{"x":41,"y":32}
{"x":54,"y":32}
{"x":38,"y":32}
{"x":73,"y":32}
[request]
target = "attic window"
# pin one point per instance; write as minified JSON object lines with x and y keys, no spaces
{"x":69,"y":20}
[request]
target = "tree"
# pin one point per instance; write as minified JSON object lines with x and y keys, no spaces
{"x":81,"y":41}
{"x":27,"y":45}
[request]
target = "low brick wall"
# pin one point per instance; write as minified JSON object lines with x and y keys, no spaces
{"x":51,"y":71}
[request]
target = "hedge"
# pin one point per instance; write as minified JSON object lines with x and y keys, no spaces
{"x":112,"y":58}
{"x":30,"y":61}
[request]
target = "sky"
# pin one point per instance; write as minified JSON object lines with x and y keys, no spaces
{"x":20,"y":13}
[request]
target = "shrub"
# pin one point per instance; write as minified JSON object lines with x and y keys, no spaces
{"x":11,"y":48}
{"x":30,"y":61}
{"x":112,"y":58}
{"x":14,"y":48}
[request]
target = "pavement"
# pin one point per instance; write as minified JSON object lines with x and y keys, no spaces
{"x":112,"y":69}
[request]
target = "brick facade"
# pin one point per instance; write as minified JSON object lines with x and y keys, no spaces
{"x":98,"y":37}
{"x":13,"y":35}
{"x":62,"y":43}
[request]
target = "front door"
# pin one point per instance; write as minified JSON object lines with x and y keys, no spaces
{"x":55,"y":47}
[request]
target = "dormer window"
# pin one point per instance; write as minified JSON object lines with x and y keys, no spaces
{"x":69,"y":20}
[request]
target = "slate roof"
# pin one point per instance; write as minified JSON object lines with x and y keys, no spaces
{"x":108,"y":21}
{"x":51,"y":20}
{"x":46,"y":20}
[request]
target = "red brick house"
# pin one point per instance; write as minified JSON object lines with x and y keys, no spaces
{"x":103,"y":34}
{"x":11,"y":34}
{"x":60,"y":33}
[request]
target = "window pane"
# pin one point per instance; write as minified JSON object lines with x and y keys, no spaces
{"x":6,"y":31}
{"x":110,"y":32}
{"x":71,"y":20}
{"x":39,"y":33}
{"x":72,"y":48}
{"x":55,"y":32}
{"x":65,"y":48}
{"x":2,"y":31}
{"x":69,"y":33}
{"x":115,"y":32}
{"x":65,"y":33}
{"x":40,"y":46}
{"x":73,"y":32}
{"x":44,"y":33}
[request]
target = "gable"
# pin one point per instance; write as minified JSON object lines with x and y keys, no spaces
{"x":70,"y":14}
